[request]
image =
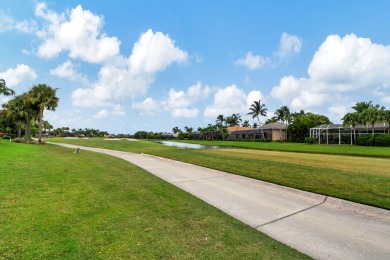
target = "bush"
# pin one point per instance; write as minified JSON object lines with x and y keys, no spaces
{"x":382,"y":140}
{"x":18,"y":140}
{"x":365,"y":140}
{"x":310,"y":140}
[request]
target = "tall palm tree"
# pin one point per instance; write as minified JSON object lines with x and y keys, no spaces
{"x":15,"y":109}
{"x":45,"y":97}
{"x":371,"y":116}
{"x":4,"y":90}
{"x":351,"y":120}
{"x":279,"y":115}
{"x":256,"y":111}
{"x":287,"y":117}
{"x":220,"y":122}
{"x":30,"y":112}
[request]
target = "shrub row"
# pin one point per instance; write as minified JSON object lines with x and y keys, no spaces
{"x":376,"y":140}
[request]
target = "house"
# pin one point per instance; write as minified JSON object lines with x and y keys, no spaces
{"x":272,"y":132}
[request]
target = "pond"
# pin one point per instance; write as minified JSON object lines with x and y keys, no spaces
{"x":188,"y":145}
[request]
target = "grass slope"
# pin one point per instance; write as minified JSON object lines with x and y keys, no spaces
{"x":360,"y":179}
{"x":55,"y":204}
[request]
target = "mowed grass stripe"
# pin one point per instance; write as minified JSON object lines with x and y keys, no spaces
{"x":58,"y":204}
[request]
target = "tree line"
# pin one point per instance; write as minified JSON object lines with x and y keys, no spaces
{"x":23,"y":110}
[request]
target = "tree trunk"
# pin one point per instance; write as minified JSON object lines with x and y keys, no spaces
{"x":19,"y":129}
{"x":27,"y":131}
{"x":40,"y":125}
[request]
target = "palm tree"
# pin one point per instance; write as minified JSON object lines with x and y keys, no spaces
{"x":255,"y":125}
{"x":176,"y":130}
{"x":279,"y":114}
{"x":220,"y":121}
{"x":45,"y":97}
{"x":15,"y":109}
{"x":246,"y":124}
{"x":4,"y":90}
{"x":371,"y":116}
{"x":361,"y":106}
{"x":256,"y":111}
{"x":351,"y":120}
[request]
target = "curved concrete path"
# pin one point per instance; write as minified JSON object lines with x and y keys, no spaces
{"x":319,"y":226}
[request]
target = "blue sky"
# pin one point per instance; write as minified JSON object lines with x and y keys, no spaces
{"x":126,"y":66}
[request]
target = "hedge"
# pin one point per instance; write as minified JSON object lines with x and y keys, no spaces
{"x":377,"y":140}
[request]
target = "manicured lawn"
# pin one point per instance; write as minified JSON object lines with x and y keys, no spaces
{"x":56,"y":204}
{"x":361,"y":179}
{"x":353,"y":150}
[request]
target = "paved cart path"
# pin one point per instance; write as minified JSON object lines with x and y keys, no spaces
{"x":319,"y":226}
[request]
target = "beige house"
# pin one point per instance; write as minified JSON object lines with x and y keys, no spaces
{"x":272,"y":132}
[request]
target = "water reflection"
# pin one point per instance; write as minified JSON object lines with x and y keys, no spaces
{"x":187,"y":145}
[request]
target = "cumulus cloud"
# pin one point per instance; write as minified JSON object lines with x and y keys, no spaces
{"x":79,"y":32}
{"x":131,"y":77}
{"x":178,"y":102}
{"x":289,"y":44}
{"x":17,"y":75}
{"x":68,"y":71}
{"x":340,"y":65}
{"x":253,"y":62}
{"x":154,"y":52}
{"x":231,"y":100}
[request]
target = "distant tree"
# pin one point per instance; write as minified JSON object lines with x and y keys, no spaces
{"x":361,"y":106}
{"x":371,"y":116}
{"x":220,"y":125}
{"x":301,"y":123}
{"x":45,"y":97}
{"x":176,"y":130}
{"x":246,"y":124}
{"x":257,"y":110}
{"x":255,"y":125}
{"x":14,"y":110}
{"x":351,"y":120}
{"x":233,"y":120}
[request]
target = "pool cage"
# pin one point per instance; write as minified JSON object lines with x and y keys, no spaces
{"x":332,"y":134}
{"x":338,"y":134}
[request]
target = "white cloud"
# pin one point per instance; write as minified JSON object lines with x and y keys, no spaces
{"x":231,"y":100}
{"x":254,"y":95}
{"x":289,"y":44}
{"x":15,"y":76}
{"x":180,"y":99}
{"x":101,"y":114}
{"x":79,"y":32}
{"x":154,"y":52}
{"x":128,"y":78}
{"x":340,"y":65}
{"x":68,"y":71}
{"x":149,"y":104}
{"x":253,"y":62}
{"x":185,"y":112}
{"x":8,"y":23}
{"x":118,"y":110}
{"x":178,"y":103}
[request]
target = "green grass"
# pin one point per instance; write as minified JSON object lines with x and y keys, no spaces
{"x":55,"y":204}
{"x":352,"y":150}
{"x":361,"y":179}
